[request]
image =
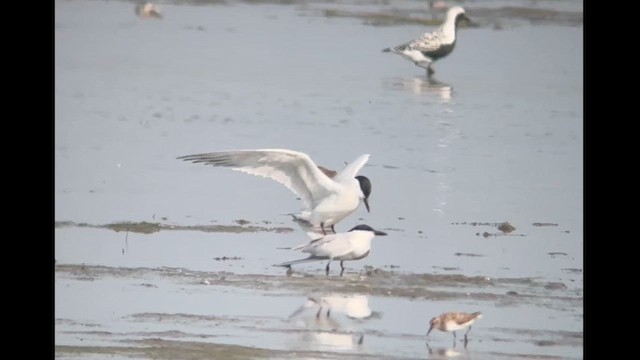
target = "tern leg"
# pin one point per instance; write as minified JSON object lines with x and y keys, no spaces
{"x":327,"y":269}
{"x":328,"y":313}
{"x":430,"y":70}
{"x":342,"y":267}
{"x":333,"y":229}
{"x":289,"y":270}
{"x":318,"y":313}
{"x":322,"y":227}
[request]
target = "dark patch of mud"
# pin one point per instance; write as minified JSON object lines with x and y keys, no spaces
{"x":70,"y":322}
{"x":382,"y":19}
{"x":447,"y":268}
{"x":494,"y":17}
{"x":529,"y":14}
{"x":545,"y":337}
{"x":555,"y":286}
{"x":168,"y":349}
{"x":505,"y":227}
{"x":497,"y":355}
{"x":157,"y":334}
{"x":247,"y":322}
{"x":173,"y":349}
{"x":226,"y":258}
{"x":543,"y":224}
{"x":557,"y":253}
{"x":371,"y":13}
{"x":572,"y":270}
{"x":150,"y":228}
{"x":374,"y":282}
{"x":467,"y":254}
{"x":488,"y":234}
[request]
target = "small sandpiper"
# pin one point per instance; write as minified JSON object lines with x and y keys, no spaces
{"x":452,"y":321}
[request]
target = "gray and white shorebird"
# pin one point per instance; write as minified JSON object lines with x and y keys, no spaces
{"x":452,"y":321}
{"x":327,"y":200}
{"x":435,"y":45}
{"x":354,"y":244}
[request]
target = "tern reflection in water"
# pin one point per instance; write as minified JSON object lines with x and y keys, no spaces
{"x":354,"y":306}
{"x":321,"y":326}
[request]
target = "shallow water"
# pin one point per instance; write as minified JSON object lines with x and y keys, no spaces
{"x":498,"y":137}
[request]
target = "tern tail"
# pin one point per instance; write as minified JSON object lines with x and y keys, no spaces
{"x":313,"y":231}
{"x":310,"y":258}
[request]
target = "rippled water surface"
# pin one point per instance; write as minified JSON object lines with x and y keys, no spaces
{"x":160,"y":258}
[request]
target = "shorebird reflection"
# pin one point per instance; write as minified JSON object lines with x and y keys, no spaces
{"x":319,"y":314}
{"x":334,"y":339}
{"x":443,"y":353}
{"x":354,"y":306}
{"x":420,"y":85}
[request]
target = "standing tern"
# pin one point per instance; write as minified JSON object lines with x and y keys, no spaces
{"x":329,"y":196}
{"x":354,"y":244}
{"x":428,"y":48}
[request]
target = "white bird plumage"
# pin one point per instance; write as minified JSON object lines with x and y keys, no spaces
{"x":148,"y":10}
{"x":327,"y":200}
{"x":432,"y":46}
{"x":355,"y":306}
{"x":354,"y":244}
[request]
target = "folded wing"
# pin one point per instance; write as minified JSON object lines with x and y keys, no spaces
{"x":330,"y":246}
{"x":427,"y":43}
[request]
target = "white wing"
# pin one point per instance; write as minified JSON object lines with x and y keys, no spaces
{"x":332,"y":245}
{"x":352,"y":169}
{"x":293,"y":169}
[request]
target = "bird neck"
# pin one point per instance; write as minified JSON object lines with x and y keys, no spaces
{"x":449,"y":30}
{"x":363,"y":238}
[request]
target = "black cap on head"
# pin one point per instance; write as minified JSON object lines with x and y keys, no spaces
{"x":365,"y":186}
{"x":364,"y":227}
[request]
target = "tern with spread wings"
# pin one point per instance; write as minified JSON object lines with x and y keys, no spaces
{"x":327,"y":199}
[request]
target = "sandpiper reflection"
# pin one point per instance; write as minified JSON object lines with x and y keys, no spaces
{"x":442,"y":353}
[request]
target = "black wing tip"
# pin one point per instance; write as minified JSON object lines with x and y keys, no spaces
{"x":202,"y":158}
{"x":191,"y":157}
